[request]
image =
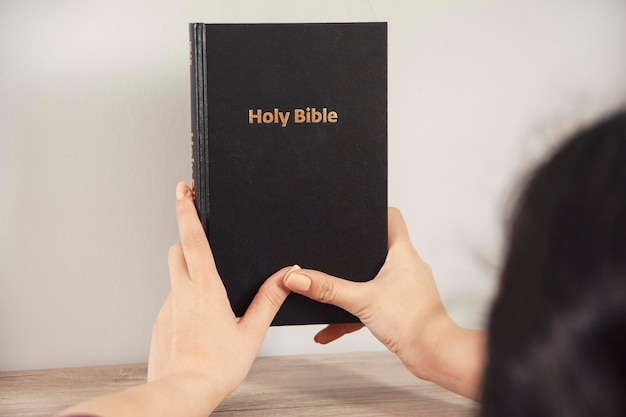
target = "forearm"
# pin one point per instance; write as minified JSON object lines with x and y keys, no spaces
{"x":181,"y":396}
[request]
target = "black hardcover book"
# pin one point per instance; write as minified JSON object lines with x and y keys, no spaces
{"x":289,"y":142}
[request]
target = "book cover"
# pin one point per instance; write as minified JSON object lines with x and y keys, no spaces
{"x":289,"y":153}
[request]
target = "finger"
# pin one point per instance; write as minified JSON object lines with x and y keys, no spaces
{"x":397,"y":230}
{"x":196,"y":249}
{"x":177,"y":266}
{"x":335,"y":331}
{"x":398,"y":235}
{"x":327,"y":289}
{"x":266,"y":303}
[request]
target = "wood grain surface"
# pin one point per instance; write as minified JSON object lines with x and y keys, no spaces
{"x":346,"y":384}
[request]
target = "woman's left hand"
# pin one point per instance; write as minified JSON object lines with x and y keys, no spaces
{"x":200,"y":352}
{"x":196,"y":335}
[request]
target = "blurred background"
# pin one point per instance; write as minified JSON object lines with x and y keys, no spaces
{"x":94,"y":136}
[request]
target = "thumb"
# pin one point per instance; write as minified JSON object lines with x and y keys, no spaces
{"x":326,"y":288}
{"x":266,"y":302}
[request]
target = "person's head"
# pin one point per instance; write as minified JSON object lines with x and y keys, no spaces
{"x":557,"y":330}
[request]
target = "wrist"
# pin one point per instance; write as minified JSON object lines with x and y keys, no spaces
{"x":195,"y":392}
{"x":426,"y":356}
{"x":450,"y":356}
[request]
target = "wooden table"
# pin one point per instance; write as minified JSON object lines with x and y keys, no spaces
{"x":347,"y":384}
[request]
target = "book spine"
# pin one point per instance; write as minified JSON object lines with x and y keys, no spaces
{"x":199,"y":119}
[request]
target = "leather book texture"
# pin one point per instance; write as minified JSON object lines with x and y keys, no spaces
{"x":289,"y":154}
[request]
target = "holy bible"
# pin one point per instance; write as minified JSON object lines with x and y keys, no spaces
{"x":289,"y":154}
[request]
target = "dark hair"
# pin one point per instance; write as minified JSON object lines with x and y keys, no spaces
{"x":557,"y":330}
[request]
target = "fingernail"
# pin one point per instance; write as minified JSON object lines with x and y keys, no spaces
{"x":181,"y":190}
{"x":293,"y":268}
{"x":298,"y":282}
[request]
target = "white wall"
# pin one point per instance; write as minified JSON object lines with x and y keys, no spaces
{"x":94,"y":135}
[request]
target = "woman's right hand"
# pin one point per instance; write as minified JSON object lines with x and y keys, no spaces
{"x":402,"y":308}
